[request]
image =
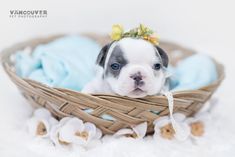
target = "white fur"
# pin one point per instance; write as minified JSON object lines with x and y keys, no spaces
{"x":141,"y":56}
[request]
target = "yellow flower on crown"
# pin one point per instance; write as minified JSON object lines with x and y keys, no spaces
{"x":117,"y":32}
{"x":142,"y":32}
{"x":153,"y":39}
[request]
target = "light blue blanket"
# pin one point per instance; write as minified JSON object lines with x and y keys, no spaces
{"x":68,"y":62}
{"x":193,"y":72}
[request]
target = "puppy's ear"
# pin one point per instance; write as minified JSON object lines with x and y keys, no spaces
{"x":102,"y":55}
{"x":164,"y":56}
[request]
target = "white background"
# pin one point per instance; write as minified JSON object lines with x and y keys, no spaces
{"x":205,"y":25}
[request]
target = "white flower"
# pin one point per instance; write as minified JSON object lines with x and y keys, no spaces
{"x":72,"y":131}
{"x":40,"y":123}
{"x":197,"y":124}
{"x":137,"y":131}
{"x":164,"y":128}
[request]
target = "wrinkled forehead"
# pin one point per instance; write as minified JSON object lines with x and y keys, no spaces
{"x":138,"y":50}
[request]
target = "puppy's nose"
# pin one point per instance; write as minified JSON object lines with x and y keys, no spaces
{"x":138,"y":78}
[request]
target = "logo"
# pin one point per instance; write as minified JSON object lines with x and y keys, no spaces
{"x":28,"y":13}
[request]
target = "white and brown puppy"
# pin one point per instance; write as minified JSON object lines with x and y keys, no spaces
{"x":129,"y":67}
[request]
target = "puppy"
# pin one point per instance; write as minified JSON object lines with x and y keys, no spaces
{"x":129,"y":67}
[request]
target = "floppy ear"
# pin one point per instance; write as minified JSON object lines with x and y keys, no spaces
{"x":163,"y":55}
{"x":102,"y":55}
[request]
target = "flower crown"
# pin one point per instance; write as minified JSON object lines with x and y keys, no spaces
{"x":142,"y":32}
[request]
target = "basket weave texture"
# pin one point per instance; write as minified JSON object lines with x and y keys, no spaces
{"x":126,"y":111}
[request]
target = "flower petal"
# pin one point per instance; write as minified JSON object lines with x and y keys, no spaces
{"x":38,"y":127}
{"x":123,"y":132}
{"x":179,"y":117}
{"x":141,"y":129}
{"x":182,"y":131}
{"x":91,"y":129}
{"x":64,"y":120}
{"x":190,"y":120}
{"x":55,"y":137}
{"x":162,"y":121}
{"x":98,"y":134}
{"x":68,"y":130}
{"x":52,"y":121}
{"x":66,"y":133}
{"x":76,"y":123}
{"x":203,"y":116}
{"x":54,"y":134}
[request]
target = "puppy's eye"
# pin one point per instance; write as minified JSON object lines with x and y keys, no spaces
{"x":157,"y":66}
{"x":115,"y":66}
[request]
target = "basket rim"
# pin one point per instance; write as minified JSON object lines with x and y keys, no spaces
{"x":7,"y":52}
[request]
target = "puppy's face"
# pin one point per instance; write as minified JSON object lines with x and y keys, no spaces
{"x":133,"y":67}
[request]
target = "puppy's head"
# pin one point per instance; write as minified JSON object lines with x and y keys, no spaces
{"x":133,"y":67}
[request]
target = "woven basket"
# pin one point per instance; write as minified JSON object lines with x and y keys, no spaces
{"x":126,"y":111}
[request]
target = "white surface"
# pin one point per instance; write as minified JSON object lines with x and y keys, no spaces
{"x":206,"y":25}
